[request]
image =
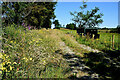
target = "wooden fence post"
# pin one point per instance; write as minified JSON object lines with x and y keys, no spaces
{"x":93,"y":36}
{"x":82,"y":34}
{"x":88,"y":35}
{"x":113,"y":41}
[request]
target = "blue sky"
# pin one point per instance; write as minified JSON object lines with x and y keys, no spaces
{"x":109,"y":9}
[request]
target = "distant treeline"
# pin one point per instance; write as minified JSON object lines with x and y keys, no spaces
{"x":72,"y":26}
{"x":109,"y":30}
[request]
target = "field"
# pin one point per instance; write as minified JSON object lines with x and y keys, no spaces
{"x":38,"y":54}
{"x":103,"y":43}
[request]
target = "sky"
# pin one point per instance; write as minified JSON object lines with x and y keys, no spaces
{"x":109,"y":9}
{"x":87,"y":0}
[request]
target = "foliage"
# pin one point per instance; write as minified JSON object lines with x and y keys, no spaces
{"x":106,"y":65}
{"x":14,"y":12}
{"x":34,"y":53}
{"x":57,"y":24}
{"x":71,"y":26}
{"x":33,"y":13}
{"x":103,"y":43}
{"x":118,"y":26}
{"x":87,"y":18}
{"x":29,"y":52}
{"x":41,"y":14}
{"x":13,"y":58}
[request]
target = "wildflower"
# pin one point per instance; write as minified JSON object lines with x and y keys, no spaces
{"x":29,"y":27}
{"x":33,"y":40}
{"x":17,"y":69}
{"x":3,"y":63}
{"x":10,"y":68}
{"x":14,"y":63}
{"x":6,"y":70}
{"x":3,"y":68}
{"x":11,"y":41}
{"x":30,"y":58}
{"x":23,"y":24}
{"x":30,"y":42}
{"x":37,"y":41}
{"x":97,"y":39}
{"x":104,"y":41}
{"x":4,"y":54}
{"x":0,"y":72}
{"x":15,"y":42}
{"x":8,"y":62}
{"x":40,"y":39}
{"x":24,"y":58}
{"x":7,"y":56}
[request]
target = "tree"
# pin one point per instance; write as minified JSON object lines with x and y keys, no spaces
{"x":88,"y":18}
{"x":42,"y":14}
{"x":57,"y":24}
{"x":13,"y":12}
{"x":118,"y":29}
{"x":71,"y":26}
{"x":37,"y":14}
{"x":118,"y":26}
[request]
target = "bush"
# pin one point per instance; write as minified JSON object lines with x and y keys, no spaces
{"x":71,"y":26}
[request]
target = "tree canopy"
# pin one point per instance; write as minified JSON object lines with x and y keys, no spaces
{"x":71,"y":26}
{"x":38,"y":14}
{"x":87,"y":18}
{"x":57,"y":24}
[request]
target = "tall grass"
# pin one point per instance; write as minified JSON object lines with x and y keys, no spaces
{"x":31,"y":51}
{"x":103,"y":43}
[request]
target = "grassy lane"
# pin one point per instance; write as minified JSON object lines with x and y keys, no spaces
{"x":32,"y":53}
{"x":35,"y":53}
{"x":103,"y":43}
{"x":71,"y":43}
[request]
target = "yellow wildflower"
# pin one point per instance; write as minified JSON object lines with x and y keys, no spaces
{"x":33,"y":40}
{"x":14,"y":63}
{"x":8,"y":62}
{"x":97,"y":39}
{"x":10,"y":68}
{"x":7,"y":56}
{"x":11,"y":41}
{"x":30,"y":58}
{"x":0,"y":72}
{"x":24,"y":58}
{"x":30,"y":42}
{"x":6,"y":70}
{"x":15,"y":42}
{"x":4,"y":54}
{"x":3,"y":63}
{"x":104,"y":41}
{"x":3,"y":68}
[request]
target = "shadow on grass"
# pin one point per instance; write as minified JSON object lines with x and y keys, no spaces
{"x":107,"y":64}
{"x":76,"y":62}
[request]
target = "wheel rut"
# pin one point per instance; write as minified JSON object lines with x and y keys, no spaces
{"x":78,"y":68}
